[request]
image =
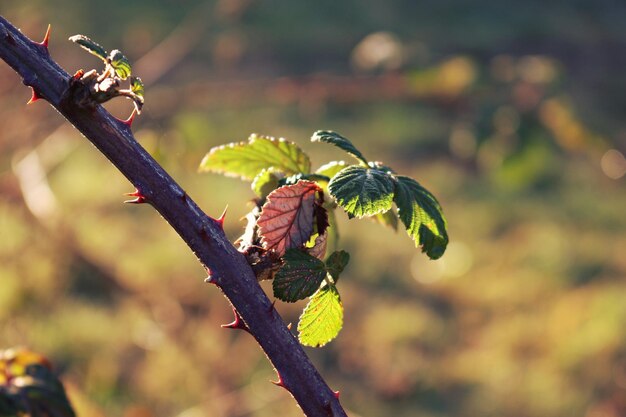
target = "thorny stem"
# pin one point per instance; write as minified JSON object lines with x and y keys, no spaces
{"x":203,"y":234}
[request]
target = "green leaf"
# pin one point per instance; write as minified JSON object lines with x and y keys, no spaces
{"x":91,"y":46}
{"x":362,"y":191}
{"x":120,"y":64}
{"x":136,"y":86}
{"x":265,"y":182}
{"x":299,"y":277}
{"x":322,"y":318}
{"x":247,"y":159}
{"x":331,"y":169}
{"x":336,"y":263}
{"x":421,"y":213}
{"x":339,"y":141}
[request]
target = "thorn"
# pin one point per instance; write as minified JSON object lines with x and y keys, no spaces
{"x":237,"y":323}
{"x":336,"y":393}
{"x":211,"y":279}
{"x":269,"y":310}
{"x":34,"y":97}
{"x":140,"y":198}
{"x":184,"y":196}
{"x":129,"y":122}
{"x":280,"y":382}
{"x":78,"y":74}
{"x":289,"y":326}
{"x":220,"y":220}
{"x":46,"y":38}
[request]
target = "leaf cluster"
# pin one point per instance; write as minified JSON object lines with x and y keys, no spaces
{"x":290,"y":227}
{"x":107,"y":85}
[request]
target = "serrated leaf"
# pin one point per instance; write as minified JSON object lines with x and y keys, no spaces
{"x":247,"y":159}
{"x":286,"y":219}
{"x":331,"y":169}
{"x":264,"y":183}
{"x":322,"y":318}
{"x":422,"y":216}
{"x":339,"y":141}
{"x":120,"y":64}
{"x":91,"y":46}
{"x":362,"y":191}
{"x":299,"y":277}
{"x":336,"y":263}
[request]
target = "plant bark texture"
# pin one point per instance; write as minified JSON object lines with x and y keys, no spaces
{"x":203,"y":234}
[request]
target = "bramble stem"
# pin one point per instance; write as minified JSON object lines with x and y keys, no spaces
{"x":203,"y":234}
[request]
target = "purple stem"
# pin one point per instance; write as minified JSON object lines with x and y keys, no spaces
{"x":203,"y":234}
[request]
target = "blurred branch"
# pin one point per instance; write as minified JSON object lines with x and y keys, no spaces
{"x":203,"y":234}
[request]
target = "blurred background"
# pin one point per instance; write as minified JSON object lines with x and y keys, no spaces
{"x":510,"y":113}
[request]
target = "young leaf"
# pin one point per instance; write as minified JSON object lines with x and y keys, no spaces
{"x":286,"y":219}
{"x":91,"y":46}
{"x":331,"y":169}
{"x":422,"y":216}
{"x":322,"y":318}
{"x":265,"y":182}
{"x":247,"y":159}
{"x":137,"y":87}
{"x":120,"y":64}
{"x":336,"y":263}
{"x":299,"y":277}
{"x":339,"y":141}
{"x":362,"y":191}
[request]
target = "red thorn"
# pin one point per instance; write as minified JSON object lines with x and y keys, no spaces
{"x":269,"y":310}
{"x":46,"y":38}
{"x":184,"y":196}
{"x":337,"y":393}
{"x":78,"y":74}
{"x":289,"y":326}
{"x":140,"y":198}
{"x":34,"y":97}
{"x":237,"y":323}
{"x":129,"y":122}
{"x":210,"y":279}
{"x":220,"y":220}
{"x":280,"y":382}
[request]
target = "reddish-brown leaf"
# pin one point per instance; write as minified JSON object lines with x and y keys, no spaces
{"x":286,"y":219}
{"x":319,"y":247}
